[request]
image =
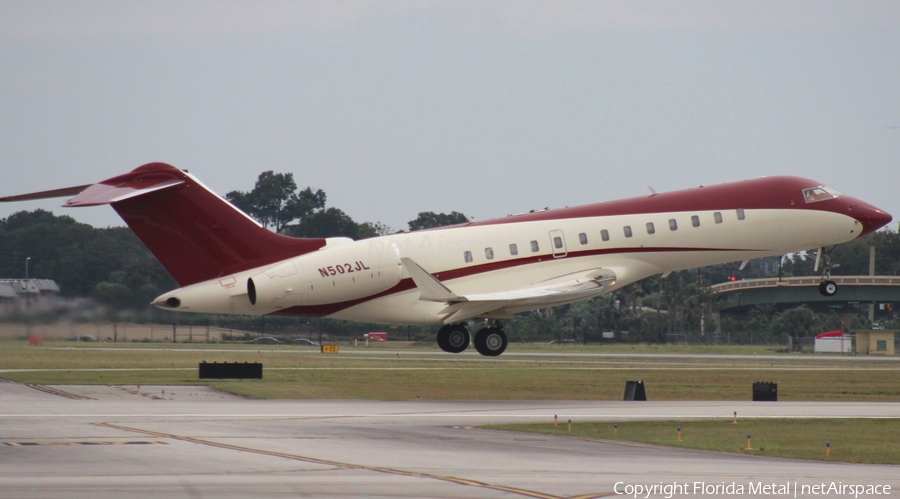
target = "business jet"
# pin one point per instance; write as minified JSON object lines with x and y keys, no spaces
{"x":227,"y":263}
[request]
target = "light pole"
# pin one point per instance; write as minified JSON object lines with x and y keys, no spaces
{"x":27,"y":297}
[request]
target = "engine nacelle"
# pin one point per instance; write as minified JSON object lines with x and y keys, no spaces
{"x":330,"y":275}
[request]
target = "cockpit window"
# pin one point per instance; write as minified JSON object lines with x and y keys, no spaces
{"x":821,"y":193}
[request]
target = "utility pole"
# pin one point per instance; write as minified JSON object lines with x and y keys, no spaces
{"x":27,"y":295}
{"x":872,"y":273}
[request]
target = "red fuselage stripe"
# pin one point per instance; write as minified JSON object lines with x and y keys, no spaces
{"x":451,"y":274}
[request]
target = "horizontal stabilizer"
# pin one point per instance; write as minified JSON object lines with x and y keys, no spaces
{"x":55,"y":193}
{"x":112,"y":192}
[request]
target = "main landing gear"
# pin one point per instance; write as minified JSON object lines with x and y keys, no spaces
{"x":453,"y":338}
{"x":489,"y":341}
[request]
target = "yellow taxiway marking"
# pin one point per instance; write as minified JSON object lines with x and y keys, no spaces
{"x":337,"y":464}
{"x":54,"y":391}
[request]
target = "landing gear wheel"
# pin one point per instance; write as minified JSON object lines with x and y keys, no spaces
{"x":490,"y":341}
{"x":828,"y":288}
{"x":453,"y":338}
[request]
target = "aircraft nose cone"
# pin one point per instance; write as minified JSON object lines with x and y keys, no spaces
{"x":870,"y":217}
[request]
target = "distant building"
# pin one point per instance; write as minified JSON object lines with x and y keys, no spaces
{"x":879,"y":342}
{"x":833,"y":342}
{"x":22,"y":288}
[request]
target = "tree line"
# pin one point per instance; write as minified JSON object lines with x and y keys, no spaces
{"x":277,"y":203}
{"x":112,"y":267}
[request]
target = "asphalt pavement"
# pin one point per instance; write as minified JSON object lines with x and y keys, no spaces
{"x":105,"y":442}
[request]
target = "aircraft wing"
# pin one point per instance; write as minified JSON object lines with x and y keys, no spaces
{"x":502,"y":305}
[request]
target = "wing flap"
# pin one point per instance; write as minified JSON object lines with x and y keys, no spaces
{"x":463,"y":311}
{"x":577,"y":283}
{"x":556,"y":291}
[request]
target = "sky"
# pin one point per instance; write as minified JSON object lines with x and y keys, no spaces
{"x":484,"y":107}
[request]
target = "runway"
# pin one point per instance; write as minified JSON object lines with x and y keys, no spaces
{"x":100,"y":441}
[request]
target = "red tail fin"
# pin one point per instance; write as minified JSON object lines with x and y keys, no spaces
{"x":193,"y":232}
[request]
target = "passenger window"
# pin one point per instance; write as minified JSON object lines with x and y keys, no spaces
{"x":673,"y":224}
{"x":627,"y":229}
{"x":468,"y":256}
{"x":604,"y":234}
{"x":489,"y":253}
{"x":582,"y":238}
{"x":695,"y":221}
{"x":740,"y":214}
{"x":513,"y":250}
{"x":557,"y":242}
{"x":650,"y":228}
{"x":534,"y":247}
{"x":718,"y":216}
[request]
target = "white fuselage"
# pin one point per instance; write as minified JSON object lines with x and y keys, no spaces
{"x":359,"y":279}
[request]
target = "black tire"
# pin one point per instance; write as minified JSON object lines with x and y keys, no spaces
{"x":442,"y":338}
{"x":490,"y":341}
{"x":828,"y":288}
{"x":453,"y":338}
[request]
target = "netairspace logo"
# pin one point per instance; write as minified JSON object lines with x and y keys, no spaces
{"x":756,"y":489}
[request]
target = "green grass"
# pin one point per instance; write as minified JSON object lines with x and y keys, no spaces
{"x":655,"y":349}
{"x":852,"y":440}
{"x":430,"y":346}
{"x":293,"y":372}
